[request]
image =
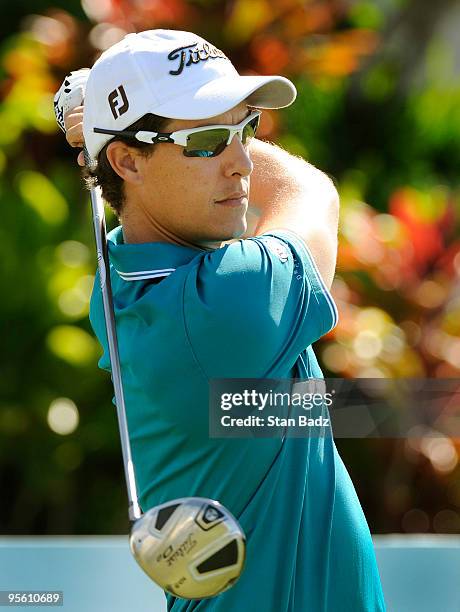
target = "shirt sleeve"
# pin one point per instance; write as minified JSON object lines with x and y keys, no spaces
{"x":251,"y":307}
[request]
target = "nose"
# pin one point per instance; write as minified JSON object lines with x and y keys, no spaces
{"x":236,"y":159}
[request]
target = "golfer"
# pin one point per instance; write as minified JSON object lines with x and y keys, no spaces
{"x":199,"y":295}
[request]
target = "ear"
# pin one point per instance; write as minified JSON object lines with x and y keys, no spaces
{"x":124,"y":161}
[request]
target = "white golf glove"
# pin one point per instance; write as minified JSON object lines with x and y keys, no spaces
{"x":70,"y":94}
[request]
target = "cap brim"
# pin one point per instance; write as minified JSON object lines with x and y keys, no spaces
{"x":220,"y":95}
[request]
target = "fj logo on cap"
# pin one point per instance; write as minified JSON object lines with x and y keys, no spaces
{"x":115,"y":97}
{"x":192,"y":54}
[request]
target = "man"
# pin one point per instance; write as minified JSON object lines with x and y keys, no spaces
{"x":194,"y":304}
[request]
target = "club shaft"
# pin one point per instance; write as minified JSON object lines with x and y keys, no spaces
{"x":97,"y":206}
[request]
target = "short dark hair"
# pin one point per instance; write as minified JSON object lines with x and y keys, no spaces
{"x":104,"y":176}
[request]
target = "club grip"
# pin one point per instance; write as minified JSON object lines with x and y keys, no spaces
{"x":88,"y":161}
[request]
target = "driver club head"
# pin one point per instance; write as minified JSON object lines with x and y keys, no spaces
{"x":191,"y":547}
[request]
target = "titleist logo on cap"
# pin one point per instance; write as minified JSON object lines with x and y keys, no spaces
{"x":192,"y":54}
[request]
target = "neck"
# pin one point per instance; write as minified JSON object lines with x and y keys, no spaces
{"x":136,"y":233}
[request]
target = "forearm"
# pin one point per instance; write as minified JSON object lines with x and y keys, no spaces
{"x":284,"y":186}
{"x":289,"y":193}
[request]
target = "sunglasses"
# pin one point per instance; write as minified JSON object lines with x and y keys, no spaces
{"x":206,"y":141}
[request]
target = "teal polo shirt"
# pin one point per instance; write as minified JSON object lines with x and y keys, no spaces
{"x":251,"y":309}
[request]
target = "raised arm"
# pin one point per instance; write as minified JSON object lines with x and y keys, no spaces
{"x":288,"y":192}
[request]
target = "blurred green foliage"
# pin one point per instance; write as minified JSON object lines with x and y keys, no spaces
{"x":382,"y":120}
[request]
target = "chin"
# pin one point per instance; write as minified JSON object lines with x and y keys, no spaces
{"x":237,"y":230}
{"x":239,"y":234}
{"x":225,"y":233}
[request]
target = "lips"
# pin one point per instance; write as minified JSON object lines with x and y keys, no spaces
{"x":234,"y":202}
{"x":233,"y":196}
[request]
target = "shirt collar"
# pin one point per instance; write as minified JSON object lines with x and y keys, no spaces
{"x":145,"y":260}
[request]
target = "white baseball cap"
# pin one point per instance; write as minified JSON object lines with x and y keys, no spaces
{"x":173,"y":74}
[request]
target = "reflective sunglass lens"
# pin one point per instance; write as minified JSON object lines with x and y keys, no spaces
{"x":207,"y":143}
{"x":250,"y":129}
